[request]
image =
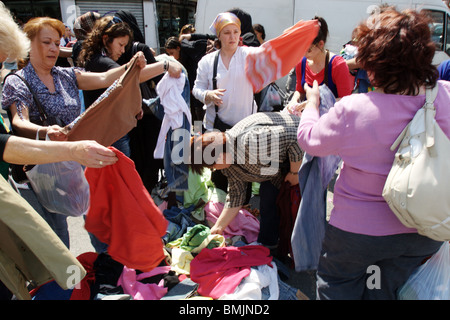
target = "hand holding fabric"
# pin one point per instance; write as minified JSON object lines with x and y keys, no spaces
{"x":55,"y":133}
{"x":175,"y":69}
{"x":92,"y":154}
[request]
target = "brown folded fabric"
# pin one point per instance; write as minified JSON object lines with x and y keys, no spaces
{"x":113,"y":114}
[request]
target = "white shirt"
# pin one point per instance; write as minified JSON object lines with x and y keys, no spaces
{"x":238,"y":100}
{"x":170,"y":92}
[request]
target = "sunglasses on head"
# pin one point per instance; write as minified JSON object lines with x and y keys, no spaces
{"x":113,"y":21}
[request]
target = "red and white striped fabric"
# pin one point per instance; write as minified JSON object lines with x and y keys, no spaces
{"x":275,"y":58}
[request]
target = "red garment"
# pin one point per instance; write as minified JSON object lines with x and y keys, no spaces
{"x":288,"y":202}
{"x":82,"y":291}
{"x":340,"y":76}
{"x":275,"y":58}
{"x":219,"y":271}
{"x":123,"y":215}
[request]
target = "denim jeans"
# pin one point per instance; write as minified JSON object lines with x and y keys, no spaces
{"x":286,"y":292}
{"x":344,"y":273}
{"x":176,"y":169}
{"x":123,"y":145}
{"x":58,"y":222}
{"x":179,"y":221}
{"x":315,"y":174}
{"x":309,"y":228}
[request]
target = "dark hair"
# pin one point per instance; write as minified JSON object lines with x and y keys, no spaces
{"x":131,"y":20}
{"x":201,"y":142}
{"x":172,"y":43}
{"x":113,"y":27}
{"x":396,"y":48}
{"x":245,"y":18}
{"x":323,"y":30}
{"x":260,"y":29}
{"x":186,"y":29}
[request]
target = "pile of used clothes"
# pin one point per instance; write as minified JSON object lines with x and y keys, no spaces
{"x":196,"y":263}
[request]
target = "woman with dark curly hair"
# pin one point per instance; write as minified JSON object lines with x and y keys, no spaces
{"x":367,"y":253}
{"x":107,"y":42}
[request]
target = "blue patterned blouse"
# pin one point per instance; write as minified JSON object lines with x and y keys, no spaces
{"x":63,"y":103}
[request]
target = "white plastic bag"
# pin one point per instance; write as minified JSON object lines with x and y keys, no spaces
{"x":61,"y":187}
{"x":431,"y":281}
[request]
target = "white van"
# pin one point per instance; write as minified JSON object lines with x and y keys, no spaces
{"x":342,"y":17}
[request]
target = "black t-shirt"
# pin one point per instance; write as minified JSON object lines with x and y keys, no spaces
{"x":98,"y":63}
{"x":191,"y":53}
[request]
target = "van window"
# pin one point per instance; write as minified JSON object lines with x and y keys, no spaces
{"x":440,"y":30}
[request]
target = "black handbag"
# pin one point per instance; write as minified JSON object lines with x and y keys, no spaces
{"x":218,"y":123}
{"x":18,"y":171}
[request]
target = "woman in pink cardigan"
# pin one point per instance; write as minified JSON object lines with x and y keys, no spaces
{"x":367,"y":252}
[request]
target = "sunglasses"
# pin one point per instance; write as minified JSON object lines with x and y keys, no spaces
{"x":113,"y":22}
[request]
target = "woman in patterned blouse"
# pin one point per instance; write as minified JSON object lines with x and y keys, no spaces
{"x":55,"y":87}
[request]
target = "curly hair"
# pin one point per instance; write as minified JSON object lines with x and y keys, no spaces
{"x":397,"y":50}
{"x":113,"y":27}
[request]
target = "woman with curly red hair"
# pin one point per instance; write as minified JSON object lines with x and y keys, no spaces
{"x":367,"y":253}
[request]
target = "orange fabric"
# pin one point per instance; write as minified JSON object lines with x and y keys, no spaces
{"x":275,"y":58}
{"x":123,"y":215}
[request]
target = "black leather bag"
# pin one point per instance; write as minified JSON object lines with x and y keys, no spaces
{"x":18,"y":171}
{"x":218,"y":123}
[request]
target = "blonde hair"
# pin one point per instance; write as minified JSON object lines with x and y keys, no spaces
{"x":13,"y":41}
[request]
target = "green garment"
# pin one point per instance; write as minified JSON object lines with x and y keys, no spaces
{"x":201,"y":187}
{"x":195,"y":239}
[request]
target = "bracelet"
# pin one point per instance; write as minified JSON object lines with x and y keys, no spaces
{"x":166,"y":65}
{"x":126,"y":66}
{"x":294,"y":173}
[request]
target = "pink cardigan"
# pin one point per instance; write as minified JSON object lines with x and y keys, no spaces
{"x":360,"y":129}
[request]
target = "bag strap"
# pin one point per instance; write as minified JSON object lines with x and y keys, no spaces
{"x":430,"y":112}
{"x":325,"y":76}
{"x":43,"y":114}
{"x":214,"y":79}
